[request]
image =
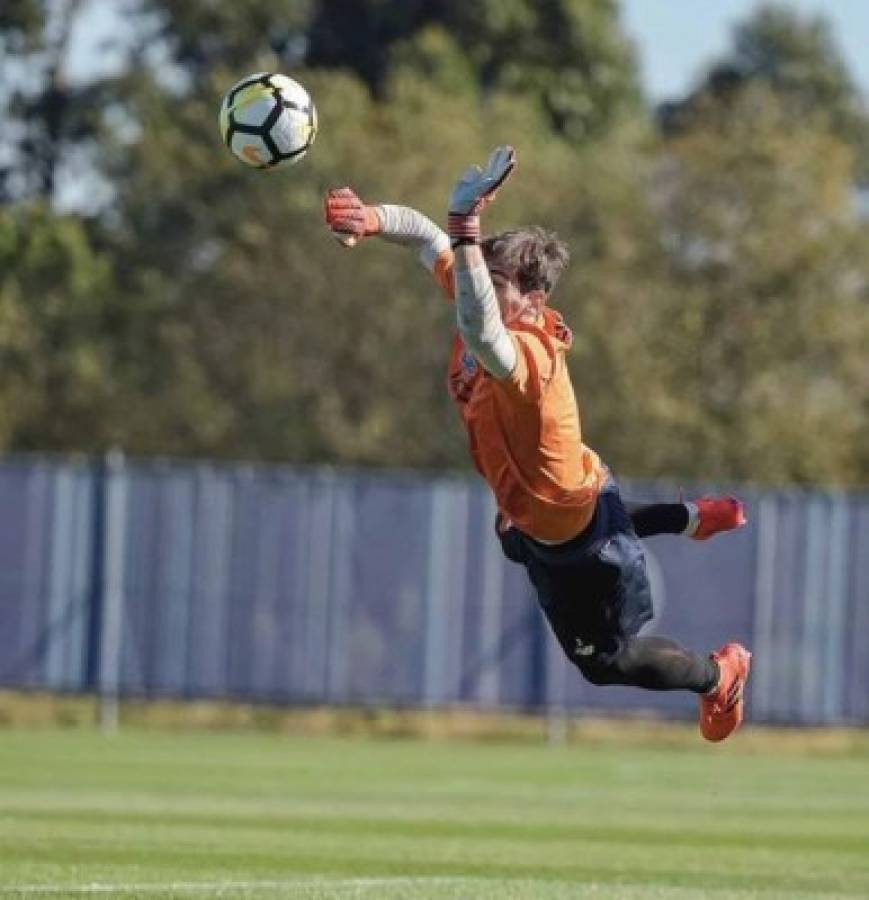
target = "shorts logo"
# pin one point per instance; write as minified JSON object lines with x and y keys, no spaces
{"x":469,"y":363}
{"x":583,"y":649}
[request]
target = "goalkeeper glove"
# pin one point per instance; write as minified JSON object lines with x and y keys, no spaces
{"x":348,"y":217}
{"x":474,"y":191}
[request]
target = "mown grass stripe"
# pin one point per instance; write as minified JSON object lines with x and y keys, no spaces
{"x":702,"y":837}
{"x":424,"y":820}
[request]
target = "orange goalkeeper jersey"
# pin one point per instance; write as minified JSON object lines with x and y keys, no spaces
{"x":524,"y":430}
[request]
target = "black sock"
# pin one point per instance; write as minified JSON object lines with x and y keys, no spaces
{"x":659,"y":518}
{"x":660,"y":664}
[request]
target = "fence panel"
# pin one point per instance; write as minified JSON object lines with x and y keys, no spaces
{"x":319,"y":586}
{"x":47,"y":524}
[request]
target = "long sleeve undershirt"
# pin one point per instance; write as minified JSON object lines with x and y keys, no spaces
{"x":477,"y":312}
{"x":405,"y":226}
{"x":480,"y":324}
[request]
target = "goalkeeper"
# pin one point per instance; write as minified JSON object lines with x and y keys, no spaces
{"x":560,"y":513}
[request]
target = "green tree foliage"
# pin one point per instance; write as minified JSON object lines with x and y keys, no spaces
{"x":765,"y":314}
{"x":568,"y":55}
{"x":796,"y":57}
{"x":56,"y":341}
{"x":239,"y":37}
{"x":275,"y":341}
{"x":47,"y":119}
{"x":19,"y":22}
{"x":717,"y":291}
{"x":231,"y":265}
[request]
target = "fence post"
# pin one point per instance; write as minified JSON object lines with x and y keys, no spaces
{"x":111,"y":588}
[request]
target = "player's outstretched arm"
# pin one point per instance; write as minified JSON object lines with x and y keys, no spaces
{"x":351,"y":221}
{"x":477,"y":311}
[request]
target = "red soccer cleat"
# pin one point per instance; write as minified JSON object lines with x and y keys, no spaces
{"x":718,"y":514}
{"x":721,"y":711}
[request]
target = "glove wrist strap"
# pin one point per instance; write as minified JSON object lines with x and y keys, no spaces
{"x":373,"y":225}
{"x":463,"y":229}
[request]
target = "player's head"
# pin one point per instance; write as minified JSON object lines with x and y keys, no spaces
{"x":525,"y":266}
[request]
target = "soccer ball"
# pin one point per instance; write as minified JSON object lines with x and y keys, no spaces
{"x":268,"y":120}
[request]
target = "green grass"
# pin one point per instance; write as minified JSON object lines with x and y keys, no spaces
{"x":180,"y":814}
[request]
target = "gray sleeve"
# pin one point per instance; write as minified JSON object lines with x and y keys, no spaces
{"x":405,"y":226}
{"x":480,"y":324}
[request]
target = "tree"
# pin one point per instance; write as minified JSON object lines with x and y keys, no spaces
{"x":766,"y":319}
{"x":242,"y":350}
{"x":796,"y":57}
{"x":48,"y":119}
{"x":264,"y":337}
{"x":56,"y":384}
{"x":570,"y":56}
{"x":717,"y":289}
{"x":19,"y":22}
{"x":239,"y":37}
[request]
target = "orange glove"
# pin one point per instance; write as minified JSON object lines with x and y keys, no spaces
{"x":348,"y":217}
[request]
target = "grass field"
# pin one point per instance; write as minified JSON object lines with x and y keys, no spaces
{"x":193,"y":814}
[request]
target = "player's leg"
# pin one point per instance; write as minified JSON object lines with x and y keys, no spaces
{"x":594,"y":640}
{"x":596,"y":595}
{"x":603,"y":644}
{"x":698,"y":519}
{"x":596,"y":609}
{"x":655,"y":664}
{"x":661,"y":664}
{"x":650,"y":519}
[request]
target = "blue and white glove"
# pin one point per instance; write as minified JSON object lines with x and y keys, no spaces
{"x":474,"y":191}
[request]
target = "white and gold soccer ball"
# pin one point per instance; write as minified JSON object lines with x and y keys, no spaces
{"x":268,"y":120}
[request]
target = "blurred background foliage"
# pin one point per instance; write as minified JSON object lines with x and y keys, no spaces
{"x":719,"y":285}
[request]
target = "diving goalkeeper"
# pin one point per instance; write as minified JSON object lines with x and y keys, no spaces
{"x":560,"y":512}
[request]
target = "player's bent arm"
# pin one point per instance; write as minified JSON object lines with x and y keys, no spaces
{"x":479,"y":316}
{"x":410,"y":228}
{"x":351,"y":221}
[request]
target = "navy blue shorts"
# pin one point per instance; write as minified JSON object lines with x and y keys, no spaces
{"x":593,"y":589}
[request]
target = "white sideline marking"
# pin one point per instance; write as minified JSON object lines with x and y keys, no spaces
{"x":210,"y":886}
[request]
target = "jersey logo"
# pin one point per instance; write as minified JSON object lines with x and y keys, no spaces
{"x":469,"y":363}
{"x":463,"y":377}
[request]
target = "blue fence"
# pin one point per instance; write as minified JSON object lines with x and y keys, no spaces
{"x":305,"y":586}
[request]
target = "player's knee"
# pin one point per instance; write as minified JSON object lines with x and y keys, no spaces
{"x":600,"y":669}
